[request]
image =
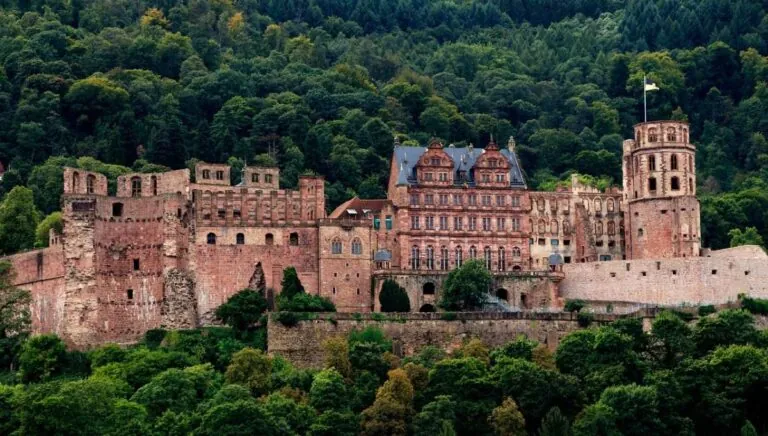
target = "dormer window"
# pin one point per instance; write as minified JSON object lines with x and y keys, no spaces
{"x":492,"y":163}
{"x":435,"y":161}
{"x":486,"y":178}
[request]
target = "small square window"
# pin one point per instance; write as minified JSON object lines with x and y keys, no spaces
{"x":714,"y":272}
{"x":643,"y":273}
{"x":746,"y":273}
{"x":613,"y":274}
{"x":674,"y":272}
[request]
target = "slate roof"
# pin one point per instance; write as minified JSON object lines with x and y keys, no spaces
{"x":464,"y":159}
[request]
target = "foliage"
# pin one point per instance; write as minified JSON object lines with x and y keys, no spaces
{"x":749,"y":236}
{"x":707,"y":309}
{"x":466,"y":287}
{"x":242,"y":309}
{"x":507,"y":419}
{"x":41,"y":358}
{"x":51,"y":222}
{"x":290,"y":285}
{"x":755,"y":306}
{"x":251,"y":368}
{"x":393,"y":297}
{"x":15,"y":320}
{"x":555,"y":424}
{"x":574,"y":305}
{"x":18,"y":220}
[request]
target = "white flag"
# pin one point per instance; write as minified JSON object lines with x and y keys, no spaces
{"x":650,"y":86}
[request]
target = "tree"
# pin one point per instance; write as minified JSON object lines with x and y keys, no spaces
{"x":51,"y":222}
{"x":466,"y":287}
{"x":507,"y":420}
{"x":172,"y":389}
{"x":238,"y":418}
{"x":291,"y":285}
{"x":748,"y":429}
{"x":243,"y":309}
{"x":41,"y":358}
{"x":328,"y":391}
{"x":18,"y":220}
{"x":435,"y":417}
{"x":393,"y":297}
{"x":251,"y":368}
{"x":15,"y":321}
{"x":749,"y":236}
{"x":555,"y":424}
{"x":337,"y":356}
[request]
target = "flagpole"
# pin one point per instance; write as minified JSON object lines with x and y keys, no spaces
{"x":645,"y":103}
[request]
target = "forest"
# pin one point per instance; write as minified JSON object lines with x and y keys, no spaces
{"x":323,"y":86}
{"x":680,"y":378}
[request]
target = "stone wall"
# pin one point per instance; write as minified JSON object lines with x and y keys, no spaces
{"x":302,"y":344}
{"x":718,"y":279}
{"x":41,"y":272}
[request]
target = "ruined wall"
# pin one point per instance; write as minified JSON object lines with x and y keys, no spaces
{"x":41,"y":272}
{"x":302,"y":344}
{"x":670,"y":282}
{"x":225,"y":267}
{"x":345,"y":278}
{"x":170,"y":182}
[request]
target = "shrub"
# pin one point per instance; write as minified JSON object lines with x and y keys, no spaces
{"x":305,"y":303}
{"x":574,"y":305}
{"x":449,"y":316}
{"x":585,"y":319}
{"x":707,"y":310}
{"x":756,"y":306}
{"x":153,"y":338}
{"x":393,"y":297}
{"x":242,"y":309}
{"x":288,"y":319}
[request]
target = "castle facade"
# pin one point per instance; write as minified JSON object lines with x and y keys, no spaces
{"x":168,"y":249}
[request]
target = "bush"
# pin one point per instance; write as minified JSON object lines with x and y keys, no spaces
{"x":153,"y":338}
{"x":585,"y":319}
{"x":707,"y":310}
{"x":393,"y":297}
{"x":288,"y":319}
{"x":574,"y":305}
{"x":756,"y":306}
{"x":305,"y":303}
{"x":449,"y":316}
{"x":42,"y":357}
{"x":242,"y":309}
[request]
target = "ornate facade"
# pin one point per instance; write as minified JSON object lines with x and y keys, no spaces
{"x":166,"y":249}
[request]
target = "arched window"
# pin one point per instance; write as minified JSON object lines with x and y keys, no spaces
{"x":675,"y":182}
{"x":566,"y":228}
{"x":459,"y":256}
{"x":444,"y":258}
{"x":75,"y":182}
{"x":553,"y":227}
{"x":540,"y":204}
{"x":598,"y":228}
{"x":357,"y":247}
{"x":430,"y":257}
{"x":610,"y":204}
{"x":415,"y":261}
{"x":153,"y":182}
{"x":653,"y":135}
{"x":516,"y":252}
{"x":269,"y":239}
{"x":293,"y":239}
{"x":671,"y":134}
{"x":598,"y":205}
{"x":472,"y":252}
{"x":502,"y":259}
{"x":90,"y":183}
{"x":690,"y":185}
{"x":211,"y":238}
{"x":240,"y":239}
{"x":542,"y":226}
{"x":652,"y":184}
{"x":487,"y":257}
{"x":336,"y":246}
{"x":673,"y":162}
{"x":651,"y":163}
{"x":136,"y":186}
{"x":611,"y":228}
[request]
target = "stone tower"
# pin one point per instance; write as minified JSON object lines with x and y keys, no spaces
{"x":662,"y":212}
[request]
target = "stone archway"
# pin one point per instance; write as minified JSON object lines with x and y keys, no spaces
{"x":428,"y":288}
{"x":502,"y":294}
{"x":426,"y":308}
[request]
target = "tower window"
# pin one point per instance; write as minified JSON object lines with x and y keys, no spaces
{"x":652,"y":184}
{"x":673,"y":162}
{"x":675,"y":184}
{"x":206,"y":174}
{"x":640,"y":232}
{"x":136,"y":187}
{"x":255,"y":178}
{"x":129,"y":294}
{"x":240,"y":239}
{"x":293,"y":239}
{"x":219,"y":175}
{"x":90,"y":181}
{"x":117,"y":209}
{"x":269,"y":239}
{"x":651,"y":163}
{"x":211,"y":238}
{"x":136,"y":263}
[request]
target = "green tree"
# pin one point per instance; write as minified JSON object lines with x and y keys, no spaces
{"x":748,"y":429}
{"x":507,"y":420}
{"x":41,"y":358}
{"x":466,"y":287}
{"x":337,"y":356}
{"x":243,"y":309}
{"x":555,"y":424}
{"x":18,"y":220}
{"x":51,"y":222}
{"x":393,"y":297}
{"x":251,"y":368}
{"x":328,"y":391}
{"x":290,"y":285}
{"x":15,"y":320}
{"x":749,"y":236}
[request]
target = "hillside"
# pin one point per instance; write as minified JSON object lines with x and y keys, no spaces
{"x":324,"y":86}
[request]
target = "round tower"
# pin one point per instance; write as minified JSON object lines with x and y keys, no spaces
{"x":660,"y":192}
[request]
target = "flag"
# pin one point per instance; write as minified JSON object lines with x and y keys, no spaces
{"x":650,"y":86}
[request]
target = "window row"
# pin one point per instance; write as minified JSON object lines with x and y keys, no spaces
{"x":487,"y":224}
{"x":90,"y":183}
{"x":428,"y":176}
{"x":269,"y":239}
{"x":337,"y":247}
{"x":671,"y":134}
{"x":219,"y":174}
{"x":674,"y":184}
{"x":387,"y":222}
{"x":442,"y":260}
{"x":460,"y":200}
{"x":673,"y":162}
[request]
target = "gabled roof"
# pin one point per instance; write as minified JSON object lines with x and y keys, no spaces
{"x":359,"y":206}
{"x":464,"y":159}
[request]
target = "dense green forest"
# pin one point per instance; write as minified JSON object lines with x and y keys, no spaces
{"x":609,"y":380}
{"x":324,"y":85}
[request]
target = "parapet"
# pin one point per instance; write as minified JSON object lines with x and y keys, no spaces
{"x":212,"y":174}
{"x":77,"y":181}
{"x":152,"y":184}
{"x":267,"y":178}
{"x":661,"y":133}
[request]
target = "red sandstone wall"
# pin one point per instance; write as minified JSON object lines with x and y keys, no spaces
{"x":670,"y":227}
{"x":42,"y":273}
{"x":346,"y":278}
{"x":170,"y":182}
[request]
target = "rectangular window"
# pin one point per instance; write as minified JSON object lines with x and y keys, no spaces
{"x":443,"y":199}
{"x":414,"y":199}
{"x":430,"y":222}
{"x":500,"y":178}
{"x":486,"y":224}
{"x":542,"y":241}
{"x":206,"y":174}
{"x":472,"y":223}
{"x":376,"y":223}
{"x":435,"y":161}
{"x":388,"y":222}
{"x":136,"y":264}
{"x":515,"y":201}
{"x":219,"y":175}
{"x":486,"y":200}
{"x":458,"y":223}
{"x":472,"y":200}
{"x":429,"y":199}
{"x":267,"y":178}
{"x":415,"y":222}
{"x":515,"y":224}
{"x":255,"y":178}
{"x":554,"y":242}
{"x":428,"y":177}
{"x":500,"y":223}
{"x":443,"y":223}
{"x":500,"y":200}
{"x":443,"y":177}
{"x":486,"y":178}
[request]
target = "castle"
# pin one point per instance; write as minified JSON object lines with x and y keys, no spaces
{"x":167,"y":249}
